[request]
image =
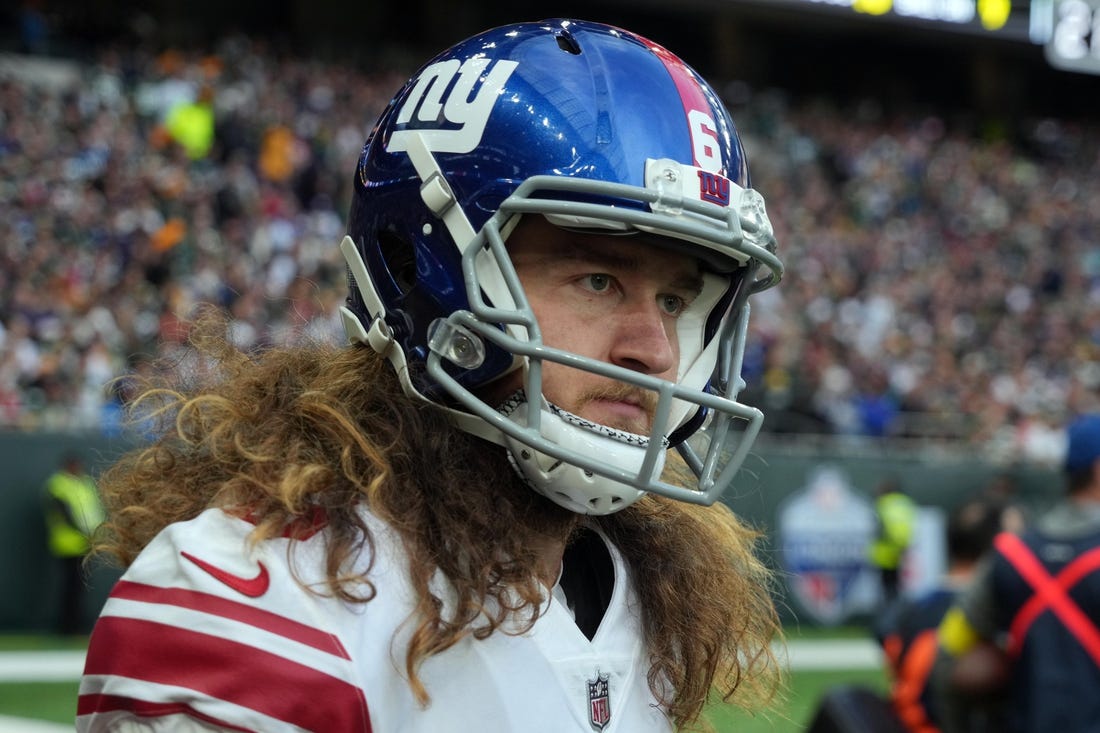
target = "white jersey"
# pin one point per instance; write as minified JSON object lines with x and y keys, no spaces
{"x":204,"y":633}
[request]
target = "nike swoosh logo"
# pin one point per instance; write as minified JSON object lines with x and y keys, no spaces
{"x":251,"y":587}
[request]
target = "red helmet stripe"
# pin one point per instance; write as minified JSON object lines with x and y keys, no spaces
{"x":691,"y":94}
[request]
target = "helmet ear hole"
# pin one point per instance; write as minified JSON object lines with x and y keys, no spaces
{"x":400,"y":260}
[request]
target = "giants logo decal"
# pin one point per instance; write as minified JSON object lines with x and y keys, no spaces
{"x":677,"y":182}
{"x":714,"y":188}
{"x":440,"y":106}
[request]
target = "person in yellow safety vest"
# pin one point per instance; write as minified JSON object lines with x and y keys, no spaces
{"x":73,"y":511}
{"x":191,"y":125}
{"x":896,"y":513}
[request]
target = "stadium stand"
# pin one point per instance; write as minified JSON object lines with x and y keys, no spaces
{"x":944,"y":280}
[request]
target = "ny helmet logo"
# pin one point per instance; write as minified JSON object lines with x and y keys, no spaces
{"x":440,"y":106}
{"x":599,"y":705}
{"x":714,"y":188}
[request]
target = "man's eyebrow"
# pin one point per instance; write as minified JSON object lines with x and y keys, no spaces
{"x":686,"y":279}
{"x":691,"y":282}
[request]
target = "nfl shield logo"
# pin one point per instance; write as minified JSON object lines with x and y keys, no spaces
{"x":599,"y":709}
{"x":824,"y":529}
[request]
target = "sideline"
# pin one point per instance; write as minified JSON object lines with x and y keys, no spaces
{"x":838,"y":654}
{"x":809,"y":654}
{"x":44,"y":666}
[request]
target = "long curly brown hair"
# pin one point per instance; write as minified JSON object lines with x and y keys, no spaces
{"x":288,"y":432}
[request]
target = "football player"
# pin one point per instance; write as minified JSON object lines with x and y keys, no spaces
{"x":496,"y":508}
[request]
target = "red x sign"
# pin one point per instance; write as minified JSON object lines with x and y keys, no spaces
{"x":1050,"y":592}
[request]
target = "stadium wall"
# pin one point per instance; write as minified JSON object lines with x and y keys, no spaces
{"x":777,"y":482}
{"x":31,"y":580}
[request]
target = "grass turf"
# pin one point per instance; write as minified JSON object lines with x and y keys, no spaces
{"x":52,"y":701}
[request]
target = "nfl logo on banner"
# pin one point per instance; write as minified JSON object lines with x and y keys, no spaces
{"x":824,"y":530}
{"x":599,"y":709}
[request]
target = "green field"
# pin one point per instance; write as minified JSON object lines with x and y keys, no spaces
{"x":53,"y":701}
{"x":791,"y":717}
{"x":56,"y":701}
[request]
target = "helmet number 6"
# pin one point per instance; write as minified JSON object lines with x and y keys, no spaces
{"x":704,"y":141}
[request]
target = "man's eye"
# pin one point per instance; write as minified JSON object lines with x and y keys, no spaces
{"x":672,"y":304}
{"x":599,"y":282}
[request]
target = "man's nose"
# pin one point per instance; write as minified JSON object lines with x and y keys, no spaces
{"x":643,"y":340}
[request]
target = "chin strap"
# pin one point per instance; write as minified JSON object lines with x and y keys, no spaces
{"x":441,"y":201}
{"x":379,"y":337}
{"x":437,"y":193}
{"x":570,"y":486}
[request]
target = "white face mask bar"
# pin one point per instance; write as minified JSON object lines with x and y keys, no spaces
{"x":451,"y":341}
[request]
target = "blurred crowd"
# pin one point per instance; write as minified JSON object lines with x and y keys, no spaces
{"x":943,"y":278}
{"x":117,"y":219}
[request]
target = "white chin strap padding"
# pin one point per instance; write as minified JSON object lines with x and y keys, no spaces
{"x":574,"y":488}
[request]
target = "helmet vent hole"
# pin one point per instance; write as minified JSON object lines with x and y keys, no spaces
{"x":400,"y":260}
{"x":567,"y":43}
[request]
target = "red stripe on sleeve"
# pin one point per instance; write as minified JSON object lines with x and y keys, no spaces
{"x":87,"y":704}
{"x":242,"y":612}
{"x":220,"y":669}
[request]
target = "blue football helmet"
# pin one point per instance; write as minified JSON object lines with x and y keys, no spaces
{"x":596,"y":129}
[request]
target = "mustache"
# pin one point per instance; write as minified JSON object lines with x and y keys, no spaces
{"x":621,"y":392}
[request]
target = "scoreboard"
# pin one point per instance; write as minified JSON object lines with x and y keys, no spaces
{"x":1068,"y":30}
{"x":1070,"y":33}
{"x":1004,"y":19}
